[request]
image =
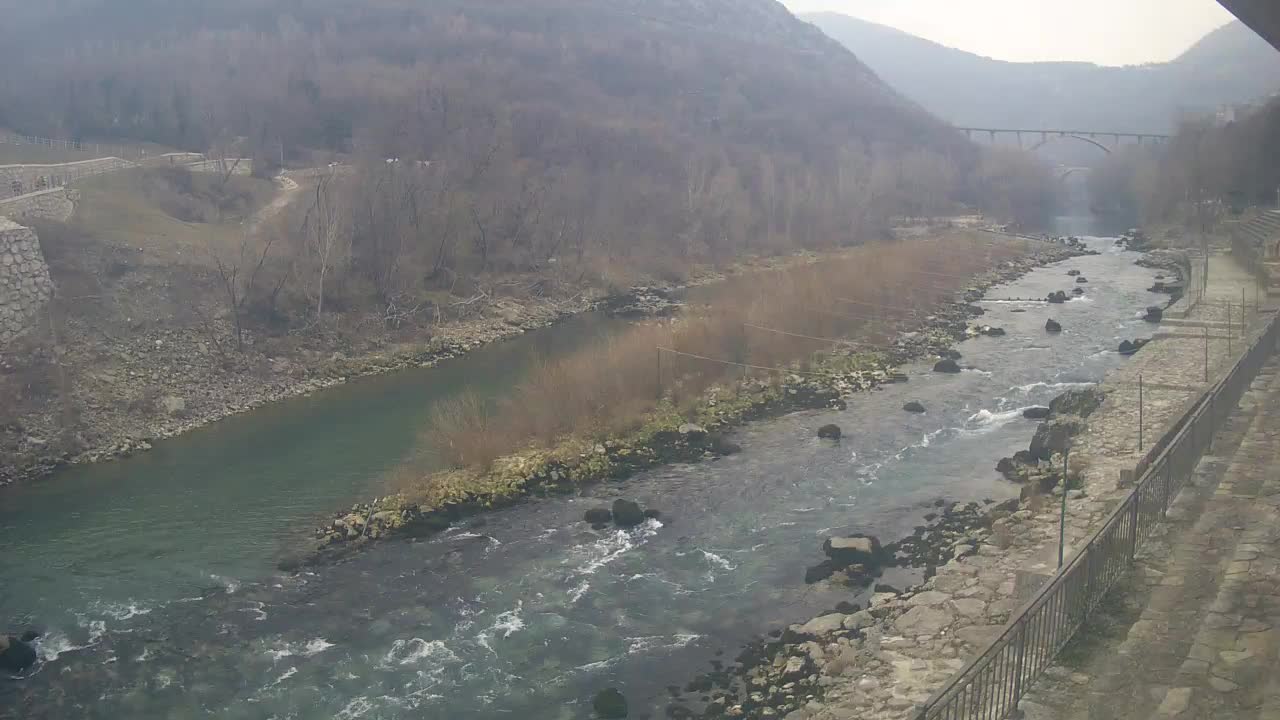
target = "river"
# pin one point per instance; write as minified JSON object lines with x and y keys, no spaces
{"x":152,"y":575}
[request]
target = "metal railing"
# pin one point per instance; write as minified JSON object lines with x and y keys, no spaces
{"x":95,"y":149}
{"x":990,"y":686}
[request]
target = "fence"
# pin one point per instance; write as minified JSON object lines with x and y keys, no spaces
{"x":97,"y":149}
{"x":991,"y":685}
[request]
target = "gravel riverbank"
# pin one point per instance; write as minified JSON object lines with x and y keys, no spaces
{"x":671,"y":437}
{"x":880,"y":662}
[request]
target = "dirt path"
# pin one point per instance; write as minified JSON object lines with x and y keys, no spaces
{"x":288,"y":189}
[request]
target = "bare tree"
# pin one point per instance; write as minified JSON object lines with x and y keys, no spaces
{"x":238,"y":274}
{"x":326,"y":230}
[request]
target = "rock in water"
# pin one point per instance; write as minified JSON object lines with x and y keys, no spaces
{"x":1054,"y":436}
{"x":610,"y":703}
{"x":830,"y":432}
{"x":992,"y":331}
{"x":1073,"y":273}
{"x":1127,"y":348}
{"x":627,"y":513}
{"x":1154,"y":314}
{"x":913,"y":407}
{"x":819,"y":572}
{"x":946,"y":365}
{"x":1077,"y":401}
{"x":723,"y":446}
{"x":855,"y":550}
{"x":598,"y":516}
{"x":1082,"y":280}
{"x":15,"y":655}
{"x":1036,"y":413}
{"x":1053,"y":326}
{"x":1078,"y":291}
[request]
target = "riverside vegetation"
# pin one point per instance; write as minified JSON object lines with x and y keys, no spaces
{"x":434,"y":202}
{"x":604,"y":412}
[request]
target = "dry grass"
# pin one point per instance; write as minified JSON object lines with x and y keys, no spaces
{"x":611,"y":387}
{"x":138,"y":209}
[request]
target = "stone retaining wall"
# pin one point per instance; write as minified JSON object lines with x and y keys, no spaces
{"x":54,"y":204}
{"x":236,"y":166}
{"x":25,"y":286}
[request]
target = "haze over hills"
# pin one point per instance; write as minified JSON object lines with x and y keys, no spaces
{"x":643,"y":97}
{"x":1230,"y":65}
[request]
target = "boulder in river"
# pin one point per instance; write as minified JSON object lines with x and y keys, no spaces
{"x":720,"y":445}
{"x":627,"y":513}
{"x":1078,"y":291}
{"x":913,"y":407}
{"x":1055,"y":437}
{"x":1073,"y":273}
{"x":819,"y":572}
{"x":946,"y":365}
{"x":830,"y":432}
{"x":1057,"y":298}
{"x":1077,"y":401}
{"x":862,"y":550}
{"x":1154,"y":314}
{"x":15,"y":655}
{"x":598,"y":516}
{"x":1036,"y":413}
{"x":1052,"y":326}
{"x":992,"y":331}
{"x":610,"y":704}
{"x":1082,"y":280}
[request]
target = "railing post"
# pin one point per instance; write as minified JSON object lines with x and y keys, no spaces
{"x":1133,"y":524}
{"x":1020,"y":663}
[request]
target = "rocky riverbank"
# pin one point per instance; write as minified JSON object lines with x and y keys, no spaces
{"x":978,"y":564}
{"x":120,"y":387}
{"x":670,"y":436}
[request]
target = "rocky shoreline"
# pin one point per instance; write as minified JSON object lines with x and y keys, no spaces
{"x":883,"y":661}
{"x":670,"y":437}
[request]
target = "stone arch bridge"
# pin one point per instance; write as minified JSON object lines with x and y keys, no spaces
{"x":1105,"y":140}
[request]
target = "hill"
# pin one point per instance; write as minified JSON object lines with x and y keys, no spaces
{"x":1229,"y":65}
{"x":731,"y":104}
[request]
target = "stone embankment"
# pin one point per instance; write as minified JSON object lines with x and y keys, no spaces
{"x":53,"y":204}
{"x":563,"y":469}
{"x":25,"y":287}
{"x":883,"y":661}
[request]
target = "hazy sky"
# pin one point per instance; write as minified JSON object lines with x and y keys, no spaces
{"x":1108,"y":32}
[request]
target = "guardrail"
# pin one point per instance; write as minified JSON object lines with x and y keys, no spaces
{"x":990,"y":686}
{"x":72,"y":145}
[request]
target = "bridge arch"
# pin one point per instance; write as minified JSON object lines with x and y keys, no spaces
{"x":1081,"y":138}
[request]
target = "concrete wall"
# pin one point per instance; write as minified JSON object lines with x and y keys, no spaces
{"x":23,"y":179}
{"x":54,"y":204}
{"x":25,"y":286}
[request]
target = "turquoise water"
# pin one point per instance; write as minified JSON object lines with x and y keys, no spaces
{"x":221,"y":504}
{"x":154,"y":576}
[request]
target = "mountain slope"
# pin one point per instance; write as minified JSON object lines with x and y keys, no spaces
{"x":1229,"y":65}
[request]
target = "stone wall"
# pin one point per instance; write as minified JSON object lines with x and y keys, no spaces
{"x":236,"y":166}
{"x":54,"y":204}
{"x":25,"y":286}
{"x":23,"y":179}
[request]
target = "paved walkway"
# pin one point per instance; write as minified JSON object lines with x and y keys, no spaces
{"x":1193,"y":631}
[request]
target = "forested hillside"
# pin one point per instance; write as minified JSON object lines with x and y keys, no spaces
{"x":698,"y":127}
{"x":1230,"y":65}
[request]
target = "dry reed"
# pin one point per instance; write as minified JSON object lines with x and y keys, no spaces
{"x":611,"y":387}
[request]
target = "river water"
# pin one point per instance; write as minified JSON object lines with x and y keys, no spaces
{"x":152,"y":575}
